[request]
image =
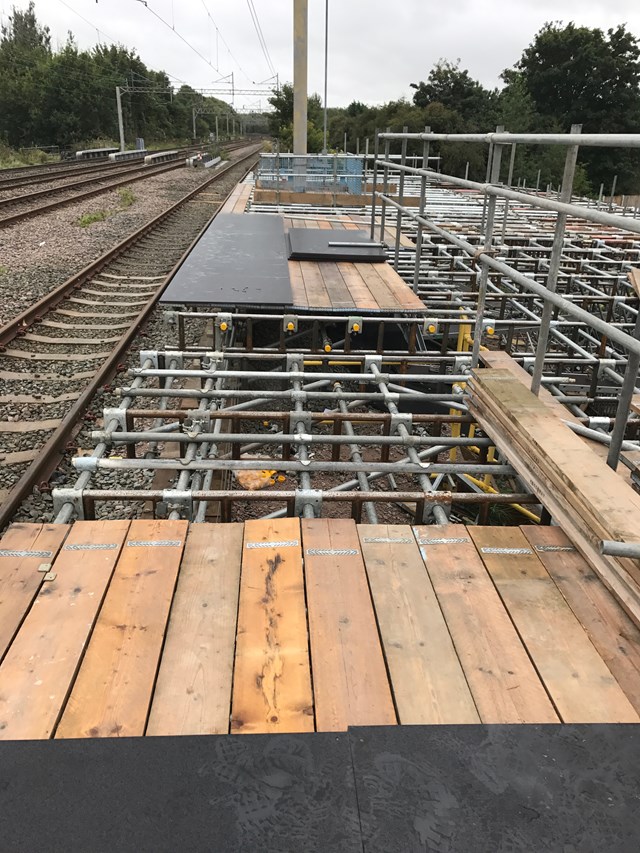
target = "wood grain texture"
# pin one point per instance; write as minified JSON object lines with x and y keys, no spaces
{"x":350,"y":682}
{"x":504,"y":684}
{"x":37,"y":673}
{"x":577,"y":679}
{"x":20,"y":579}
{"x":272,"y":678}
{"x":614,"y":635}
{"x":112,"y":693}
{"x":428,"y":682}
{"x":193,"y":690}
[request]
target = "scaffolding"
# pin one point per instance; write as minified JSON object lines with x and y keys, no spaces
{"x":378,"y":404}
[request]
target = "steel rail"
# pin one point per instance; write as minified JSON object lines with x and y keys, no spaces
{"x":142,"y":173}
{"x":53,"y":449}
{"x":34,"y":312}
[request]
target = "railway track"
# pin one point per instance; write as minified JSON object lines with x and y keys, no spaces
{"x":58,"y":352}
{"x":106,"y":176}
{"x":13,"y":182}
{"x":17,"y":208}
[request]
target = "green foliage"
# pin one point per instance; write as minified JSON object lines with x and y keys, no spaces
{"x":281,"y":119}
{"x":452,"y":87}
{"x":67,"y":97}
{"x":571,"y":74}
{"x":126,"y":196}
{"x":88,"y":219}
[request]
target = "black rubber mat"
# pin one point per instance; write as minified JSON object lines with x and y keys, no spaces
{"x":396,"y":789}
{"x":238,"y":261}
{"x":313,"y":244}
{"x":493,"y":789}
{"x":258,"y":794}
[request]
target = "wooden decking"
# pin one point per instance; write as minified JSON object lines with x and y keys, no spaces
{"x":340,"y":287}
{"x":116,"y":628}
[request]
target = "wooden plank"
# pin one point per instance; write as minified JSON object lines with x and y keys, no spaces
{"x":610,"y":571}
{"x":357,"y":286}
{"x":317,"y":295}
{"x":578,"y":680}
{"x":37,"y":673}
{"x":586,"y":482}
{"x":634,"y":280}
{"x":272,"y":677}
{"x":611,"y":631}
{"x":428,"y":682}
{"x":193,"y":691}
{"x":401,"y":291}
{"x":383,"y":296}
{"x":350,"y":683}
{"x":298,"y":290}
{"x":505,"y":686}
{"x":23,"y":549}
{"x":336,"y":287}
{"x":112,"y":693}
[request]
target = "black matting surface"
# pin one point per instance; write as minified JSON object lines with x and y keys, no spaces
{"x":396,"y":789}
{"x":259,"y":794}
{"x":312,"y":244}
{"x":493,"y":789}
{"x":239,"y":260}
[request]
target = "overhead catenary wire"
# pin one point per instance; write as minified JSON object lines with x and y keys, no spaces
{"x":261,"y":38}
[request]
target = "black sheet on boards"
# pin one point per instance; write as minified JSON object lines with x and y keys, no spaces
{"x":498,"y":789}
{"x":218,"y":794}
{"x":312,"y":244}
{"x":239,"y":260}
{"x":392,"y":789}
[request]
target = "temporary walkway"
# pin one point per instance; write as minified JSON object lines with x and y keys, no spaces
{"x":117,"y":628}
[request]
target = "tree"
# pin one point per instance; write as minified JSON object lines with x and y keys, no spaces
{"x":580,"y":75}
{"x":281,"y":119}
{"x":454,"y":88}
{"x":25,"y":49}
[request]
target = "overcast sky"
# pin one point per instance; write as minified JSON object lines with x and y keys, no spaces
{"x":376,"y":47}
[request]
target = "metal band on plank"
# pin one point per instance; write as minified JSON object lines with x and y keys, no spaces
{"x":374,"y":540}
{"x":512,"y":551}
{"x":291,"y":543}
{"x":332,"y":552}
{"x":8,"y":553}
{"x":160,"y":543}
{"x":458,"y":541}
{"x":91,"y":547}
{"x":553,"y":548}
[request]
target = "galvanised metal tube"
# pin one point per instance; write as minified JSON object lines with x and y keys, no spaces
{"x":66,"y":513}
{"x":403,"y":160}
{"x":620,"y":549}
{"x":567,"y":307}
{"x":421,"y":210}
{"x":92,"y":464}
{"x":385,"y":187}
{"x":376,"y":147}
{"x":601,"y":437}
{"x":587,"y":140}
{"x":300,"y":428}
{"x":296,"y":375}
{"x":577,"y":211}
{"x":624,"y":404}
{"x":439,"y":514}
{"x":363,"y":483}
{"x":352,"y":484}
{"x":554,"y":262}
{"x":488,"y":245}
{"x":303,"y":396}
{"x":118,"y":437}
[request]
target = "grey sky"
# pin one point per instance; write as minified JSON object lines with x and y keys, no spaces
{"x":376,"y":48}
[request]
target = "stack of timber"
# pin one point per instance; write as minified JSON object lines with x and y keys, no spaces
{"x":589,"y":501}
